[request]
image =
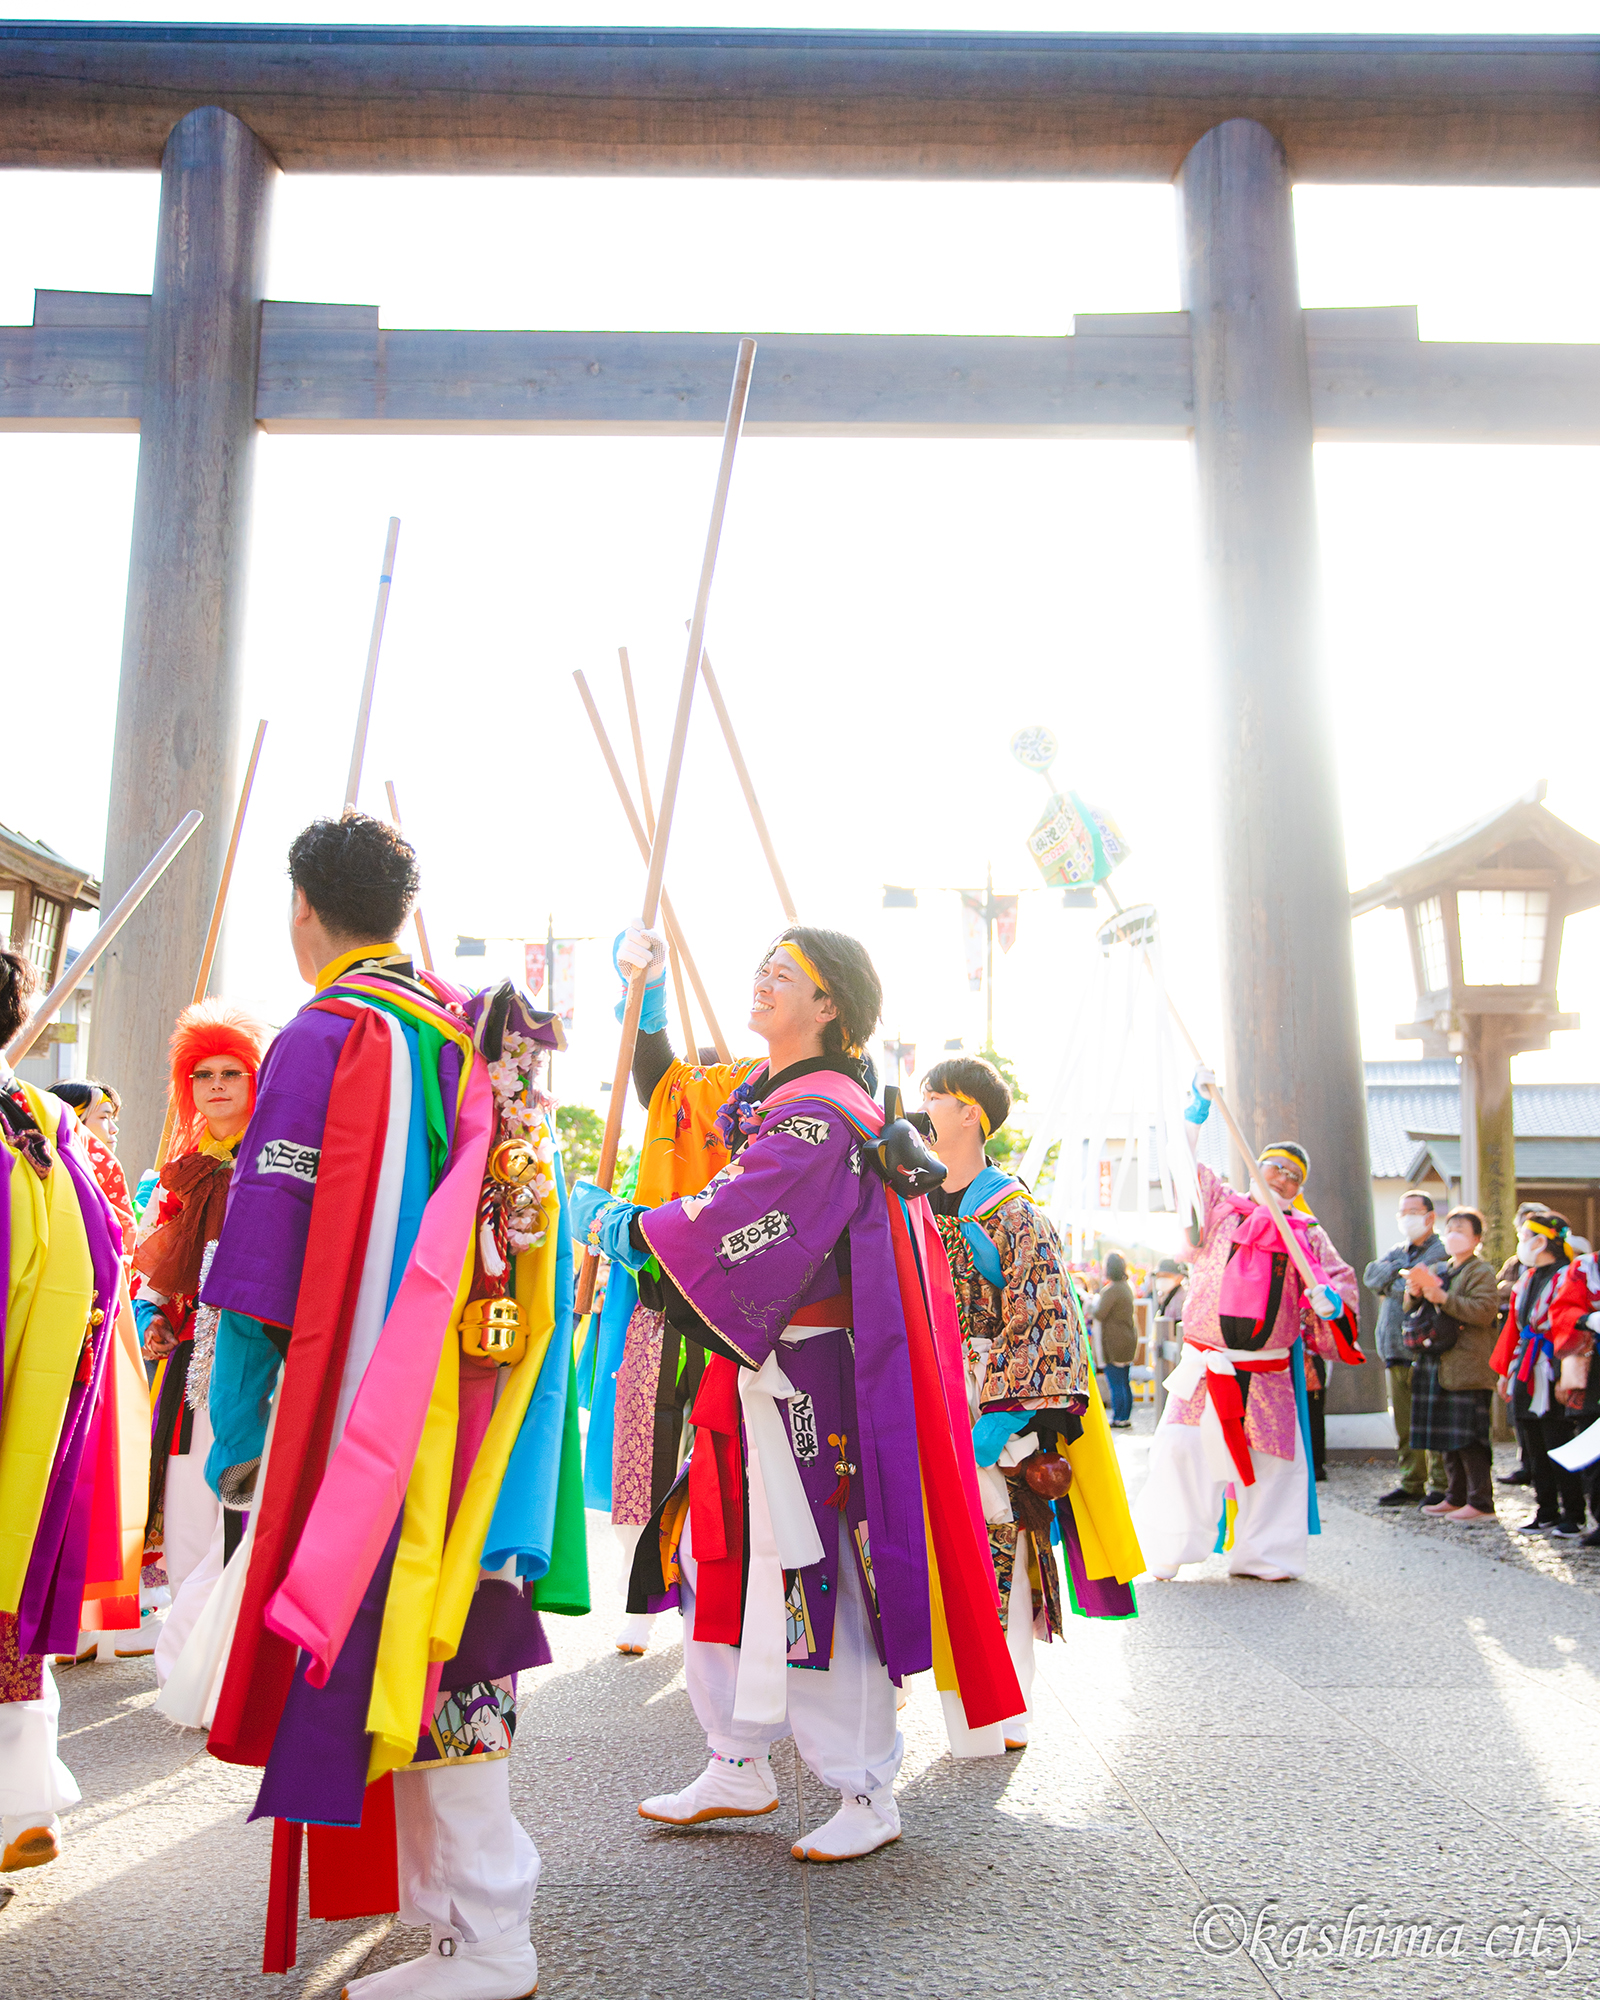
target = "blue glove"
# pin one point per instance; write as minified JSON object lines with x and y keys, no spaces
{"x":1325,"y":1302}
{"x":990,"y":1432}
{"x":1198,"y":1109}
{"x":653,"y":1017}
{"x":600,"y":1222}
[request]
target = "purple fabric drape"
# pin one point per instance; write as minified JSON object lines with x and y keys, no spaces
{"x":52,"y":1594}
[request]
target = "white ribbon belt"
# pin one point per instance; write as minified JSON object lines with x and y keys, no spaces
{"x":1198,"y":1359}
{"x":783,"y":1535}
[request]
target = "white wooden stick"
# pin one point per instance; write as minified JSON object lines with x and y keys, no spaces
{"x":358,"y":750}
{"x":143,"y":883}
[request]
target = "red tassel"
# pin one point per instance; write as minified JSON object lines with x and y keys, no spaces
{"x":840,"y":1496}
{"x":283,"y":1897}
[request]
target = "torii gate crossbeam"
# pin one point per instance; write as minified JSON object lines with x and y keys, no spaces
{"x":1230,"y":120}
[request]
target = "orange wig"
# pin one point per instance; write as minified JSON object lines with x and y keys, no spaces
{"x":209,"y":1028}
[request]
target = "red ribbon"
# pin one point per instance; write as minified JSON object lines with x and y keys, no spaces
{"x":716,"y":1505}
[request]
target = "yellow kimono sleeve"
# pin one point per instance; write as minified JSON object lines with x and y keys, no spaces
{"x":1100,"y":1501}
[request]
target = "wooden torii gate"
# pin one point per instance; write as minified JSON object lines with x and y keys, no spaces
{"x":1233,"y":121}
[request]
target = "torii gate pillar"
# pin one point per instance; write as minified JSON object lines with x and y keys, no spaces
{"x":178,"y":701}
{"x":1291,"y":1046}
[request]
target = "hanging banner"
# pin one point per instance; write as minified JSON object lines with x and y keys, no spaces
{"x":564,"y":1002}
{"x":1005,"y":921}
{"x":1075,"y":844}
{"x":972,"y":939}
{"x":566,"y":993}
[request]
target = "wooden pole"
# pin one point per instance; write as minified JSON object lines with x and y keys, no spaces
{"x":691,"y":1046}
{"x":203,"y":976}
{"x":742,"y":769}
{"x":416,"y":914}
{"x":72,"y":978}
{"x":358,"y":750}
{"x":669,"y":915}
{"x":732,"y":425}
{"x":1269,"y":1200}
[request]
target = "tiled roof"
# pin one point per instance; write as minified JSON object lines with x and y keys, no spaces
{"x":1409,"y":1102}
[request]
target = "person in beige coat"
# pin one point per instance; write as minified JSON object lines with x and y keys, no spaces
{"x":1451,"y":1384}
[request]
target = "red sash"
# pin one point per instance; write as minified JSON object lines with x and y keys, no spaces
{"x":260,"y":1664}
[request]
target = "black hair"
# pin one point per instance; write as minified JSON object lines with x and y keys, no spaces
{"x":979,"y":1080}
{"x":358,"y":873}
{"x":18,"y":981}
{"x":79,"y":1093}
{"x":851,"y":983}
{"x":1466,"y":1215}
{"x":1116,"y":1267}
{"x":1416,"y":1194}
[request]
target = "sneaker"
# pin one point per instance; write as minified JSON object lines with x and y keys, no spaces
{"x":858,"y":1828}
{"x":1568,"y":1531}
{"x":1430,"y":1499}
{"x":1536,"y":1527}
{"x":1470,"y":1514}
{"x":32,"y":1848}
{"x":500,"y":1968}
{"x":1590,"y":1540}
{"x":1400,"y":1497}
{"x":728,"y":1788}
{"x":1517,"y":1478}
{"x":1445,"y":1506}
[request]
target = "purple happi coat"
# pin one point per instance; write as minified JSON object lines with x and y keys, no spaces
{"x":752,"y":1250}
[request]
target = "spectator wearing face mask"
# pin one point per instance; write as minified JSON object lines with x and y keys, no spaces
{"x":1506,"y":1278}
{"x":1420,"y":1244}
{"x":1525,"y":1361}
{"x":1450,"y":1328}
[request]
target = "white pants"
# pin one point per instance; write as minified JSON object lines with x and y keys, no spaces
{"x":189,"y":1598}
{"x":990,"y":1741}
{"x":191,"y":1511}
{"x":1177,"y":1513}
{"x":34,"y":1783}
{"x":466,"y":1864}
{"x":842,"y":1717}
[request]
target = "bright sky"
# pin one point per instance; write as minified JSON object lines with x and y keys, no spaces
{"x":887,"y":613}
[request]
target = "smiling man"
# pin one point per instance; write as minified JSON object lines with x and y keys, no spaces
{"x":825,"y":1538}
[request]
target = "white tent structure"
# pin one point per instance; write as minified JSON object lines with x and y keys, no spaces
{"x":1116,"y":1106}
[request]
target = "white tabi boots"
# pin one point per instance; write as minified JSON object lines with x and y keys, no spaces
{"x":728,"y":1788}
{"x":861,"y":1826}
{"x":499,"y":1968}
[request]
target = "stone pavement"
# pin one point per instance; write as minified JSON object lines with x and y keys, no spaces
{"x":1409,"y":1737}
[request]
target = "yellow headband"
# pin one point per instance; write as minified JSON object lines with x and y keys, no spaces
{"x":1284,"y":1158}
{"x":804,"y":963}
{"x":961,"y":1097}
{"x":816,"y":978}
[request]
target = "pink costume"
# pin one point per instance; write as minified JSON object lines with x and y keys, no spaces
{"x":1246,"y":1309}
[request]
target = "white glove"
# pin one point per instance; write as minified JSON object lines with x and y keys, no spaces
{"x":1205,"y":1080}
{"x":639,"y":948}
{"x":1325,"y":1302}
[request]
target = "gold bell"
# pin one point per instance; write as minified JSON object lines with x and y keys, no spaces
{"x":492,"y":1331}
{"x":513,"y":1163}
